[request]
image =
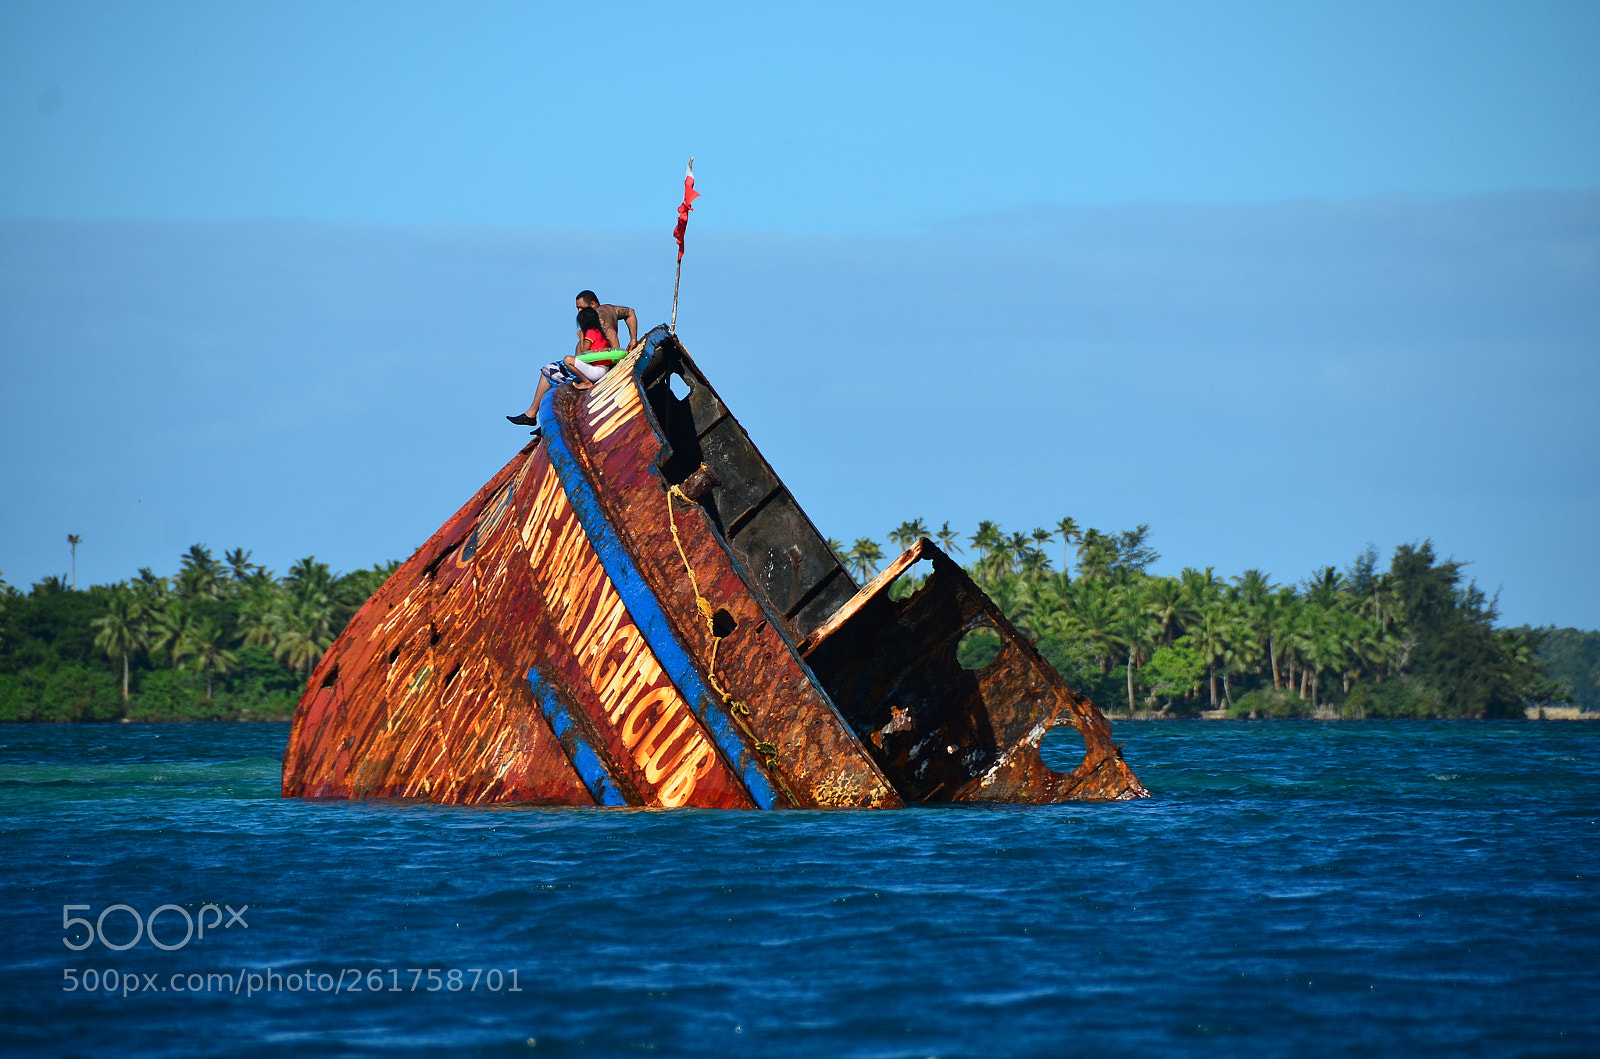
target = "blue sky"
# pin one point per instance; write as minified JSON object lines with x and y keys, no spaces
{"x":805,"y":117}
{"x":1278,"y":280}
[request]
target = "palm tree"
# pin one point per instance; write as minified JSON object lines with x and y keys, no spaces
{"x":296,"y":646}
{"x":171,"y":622}
{"x":1011,"y":594}
{"x":1253,"y":586}
{"x":1296,"y":635}
{"x":308,"y":578}
{"x":1248,"y":604}
{"x":1209,"y":635}
{"x":836,"y":546}
{"x":1325,"y":587}
{"x":239,"y":564}
{"x":1241,"y":643}
{"x":73,"y":540}
{"x":150,"y":587}
{"x":1201,"y":586}
{"x":303,"y":632}
{"x":986,"y":539}
{"x":1135,"y":628}
{"x":1018,"y":545}
{"x":122,"y":630}
{"x":908,"y":533}
{"x":1277,"y":619}
{"x":1096,"y":552}
{"x":209,"y":653}
{"x":1036,"y":601}
{"x":1095,"y":615}
{"x":1035,"y":563}
{"x":200,"y":575}
{"x":1363,"y":645}
{"x":1067,"y":530}
{"x":866,"y":555}
{"x":1165,"y":599}
{"x":1322,"y":647}
{"x":947,"y":538}
{"x":313,"y":599}
{"x":262,"y":612}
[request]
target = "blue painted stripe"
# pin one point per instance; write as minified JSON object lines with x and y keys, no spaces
{"x":592,"y":770}
{"x":651,"y":621}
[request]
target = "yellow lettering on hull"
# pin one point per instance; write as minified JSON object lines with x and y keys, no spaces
{"x":647,"y":715}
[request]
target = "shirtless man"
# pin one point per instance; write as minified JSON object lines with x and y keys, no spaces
{"x":571,"y":369}
{"x":610,"y":316}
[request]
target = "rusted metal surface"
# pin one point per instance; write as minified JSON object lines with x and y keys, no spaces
{"x":943,"y":733}
{"x":378,"y":718}
{"x":728,"y":627}
{"x":515,"y":588}
{"x":618,"y":618}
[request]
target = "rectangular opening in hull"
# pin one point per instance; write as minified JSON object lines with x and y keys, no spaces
{"x":789,"y":562}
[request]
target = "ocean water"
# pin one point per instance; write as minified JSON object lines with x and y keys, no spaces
{"x":1291,"y":889}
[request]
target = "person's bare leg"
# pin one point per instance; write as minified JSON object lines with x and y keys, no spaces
{"x":538,"y":395}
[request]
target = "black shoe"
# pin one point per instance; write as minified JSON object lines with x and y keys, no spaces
{"x":523,"y":421}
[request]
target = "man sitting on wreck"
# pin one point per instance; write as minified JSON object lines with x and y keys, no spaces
{"x":597,"y":332}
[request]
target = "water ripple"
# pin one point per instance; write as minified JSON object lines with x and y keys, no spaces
{"x":1291,"y":889}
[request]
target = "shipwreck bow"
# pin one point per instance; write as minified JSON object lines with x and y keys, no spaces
{"x":635,"y":611}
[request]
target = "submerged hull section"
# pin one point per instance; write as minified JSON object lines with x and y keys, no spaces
{"x":501,"y":664}
{"x":944,"y":733}
{"x":636,"y":612}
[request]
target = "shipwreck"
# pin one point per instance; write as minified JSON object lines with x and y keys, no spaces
{"x":635,"y":612}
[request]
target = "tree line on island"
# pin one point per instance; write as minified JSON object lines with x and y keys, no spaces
{"x":218,"y":640}
{"x":230,"y":640}
{"x":1414,"y":640}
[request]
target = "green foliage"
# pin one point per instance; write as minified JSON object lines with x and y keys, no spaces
{"x":254,"y":700}
{"x":1404,"y":697}
{"x":1452,"y":645}
{"x":219,"y":640}
{"x":1174,"y":671}
{"x":1269,"y":702}
{"x":21,"y":694}
{"x":64,"y":694}
{"x":73,"y":693}
{"x":228,"y":639}
{"x":1415,"y":640}
{"x":1572,"y":658}
{"x":978,"y":648}
{"x":1074,"y":659}
{"x":170,"y":695}
{"x":905,"y":535}
{"x":863,"y":558}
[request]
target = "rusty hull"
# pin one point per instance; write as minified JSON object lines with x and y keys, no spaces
{"x":635,"y":611}
{"x":942,"y":733}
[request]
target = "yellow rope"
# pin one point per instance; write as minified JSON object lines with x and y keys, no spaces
{"x":737,"y":710}
{"x":708,"y":612}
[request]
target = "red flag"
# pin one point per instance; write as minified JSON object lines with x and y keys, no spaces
{"x":689,"y":195}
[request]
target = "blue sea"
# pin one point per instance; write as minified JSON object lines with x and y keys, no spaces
{"x":1291,"y":889}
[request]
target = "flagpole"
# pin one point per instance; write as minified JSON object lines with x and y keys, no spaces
{"x":683,"y":220}
{"x":673,"y":327}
